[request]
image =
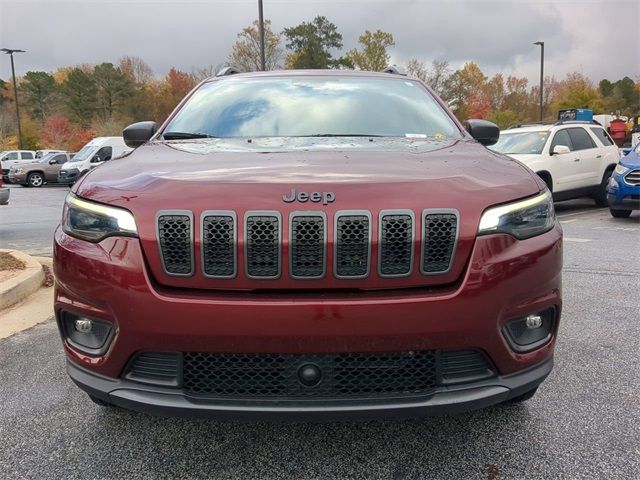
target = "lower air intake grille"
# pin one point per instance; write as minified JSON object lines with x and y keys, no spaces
{"x":458,"y":366}
{"x":440,"y":234}
{"x":218,"y":246}
{"x":353,"y":233}
{"x":157,"y":368}
{"x":633,"y":177}
{"x":396,"y":245}
{"x":345,"y":375}
{"x":307,"y":246}
{"x":263,"y":246}
{"x":175,"y":232}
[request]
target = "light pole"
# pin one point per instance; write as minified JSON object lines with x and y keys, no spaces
{"x":10,"y":52}
{"x":263,"y":66}
{"x":541,"y":77}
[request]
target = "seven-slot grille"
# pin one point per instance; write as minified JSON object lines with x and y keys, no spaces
{"x":307,"y":243}
{"x":353,"y":244}
{"x":262,"y":245}
{"x":440,"y":232}
{"x":175,"y":239}
{"x":219,"y":244}
{"x":633,"y":177}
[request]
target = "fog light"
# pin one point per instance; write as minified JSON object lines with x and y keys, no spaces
{"x":83,"y":325}
{"x":532,"y":321}
{"x":530,"y":332}
{"x":87,"y":335}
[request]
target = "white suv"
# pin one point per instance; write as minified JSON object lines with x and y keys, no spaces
{"x":575,"y":159}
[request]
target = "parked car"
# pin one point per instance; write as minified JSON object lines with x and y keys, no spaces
{"x":4,"y":192}
{"x":575,"y":159}
{"x":623,"y":191}
{"x":94,"y":153}
{"x":42,"y":153}
{"x":36,"y":174}
{"x":14,"y":157}
{"x":309,"y":243}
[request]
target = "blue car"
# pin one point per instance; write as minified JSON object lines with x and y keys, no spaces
{"x":623,"y":190}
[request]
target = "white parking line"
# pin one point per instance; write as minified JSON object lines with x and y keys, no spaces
{"x":569,"y":221}
{"x":598,"y":211}
{"x":577,"y":240}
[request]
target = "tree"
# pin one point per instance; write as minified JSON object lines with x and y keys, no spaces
{"x":310,"y":44}
{"x":245,"y":53}
{"x":504,"y":118}
{"x":57,"y":132}
{"x":373,"y":56}
{"x":437,"y":76}
{"x":39,"y":90}
{"x":135,"y":69}
{"x":174,"y":88}
{"x":464,"y":82}
{"x":113,"y":88}
{"x":79,"y":95}
{"x":577,"y":91}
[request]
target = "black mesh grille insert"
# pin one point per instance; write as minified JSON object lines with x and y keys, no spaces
{"x":352,"y":246}
{"x":464,"y":365}
{"x":396,"y":244}
{"x":218,"y":245}
{"x":263,"y":246}
{"x":174,"y":235}
{"x":307,"y":246}
{"x":345,"y":375}
{"x":440,"y":232}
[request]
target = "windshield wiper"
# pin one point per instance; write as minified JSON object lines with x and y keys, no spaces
{"x":184,"y":135}
{"x":341,"y":135}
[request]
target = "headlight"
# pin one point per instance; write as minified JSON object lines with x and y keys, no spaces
{"x":522,"y":219}
{"x":621,"y":169}
{"x":19,"y":170}
{"x":94,"y":222}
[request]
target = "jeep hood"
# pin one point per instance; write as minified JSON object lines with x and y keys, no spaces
{"x":198,"y":176}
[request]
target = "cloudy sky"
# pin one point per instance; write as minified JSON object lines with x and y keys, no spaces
{"x":596,"y":37}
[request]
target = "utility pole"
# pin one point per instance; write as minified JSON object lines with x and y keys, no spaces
{"x":10,"y":52}
{"x":541,"y":78}
{"x":263,"y":65}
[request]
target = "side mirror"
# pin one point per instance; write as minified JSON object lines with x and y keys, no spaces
{"x":485,"y":132}
{"x":139,"y":133}
{"x":52,"y":161}
{"x":560,"y":150}
{"x":95,"y":159}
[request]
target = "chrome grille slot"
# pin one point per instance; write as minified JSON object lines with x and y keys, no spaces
{"x":175,"y":240}
{"x":396,"y":243}
{"x":307,"y":245}
{"x":262,"y":244}
{"x":633,"y":177}
{"x":352,"y":244}
{"x":440,"y":234}
{"x":219,"y":244}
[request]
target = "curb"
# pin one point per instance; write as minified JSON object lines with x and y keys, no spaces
{"x":21,"y":286}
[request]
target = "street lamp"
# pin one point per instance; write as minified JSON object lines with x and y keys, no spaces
{"x":263,"y":66}
{"x":10,"y":52}
{"x":541,"y":77}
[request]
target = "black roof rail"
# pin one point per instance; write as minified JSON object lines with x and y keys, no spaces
{"x":576,"y":122}
{"x":228,"y":71}
{"x":395,"y":70}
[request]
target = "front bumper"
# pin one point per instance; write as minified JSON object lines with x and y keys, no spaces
{"x":445,"y":400}
{"x":68,"y":176}
{"x":4,"y":195}
{"x":621,"y":195}
{"x":18,"y":178}
{"x":504,"y":279}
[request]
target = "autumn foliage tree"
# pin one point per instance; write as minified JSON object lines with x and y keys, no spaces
{"x":245,"y":53}
{"x":374,"y":55}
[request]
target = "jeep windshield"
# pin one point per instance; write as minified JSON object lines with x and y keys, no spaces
{"x":311,"y":106}
{"x":521,"y":143}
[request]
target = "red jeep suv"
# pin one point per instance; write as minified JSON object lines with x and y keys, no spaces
{"x":309,"y":244}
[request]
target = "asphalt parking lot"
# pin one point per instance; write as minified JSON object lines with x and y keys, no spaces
{"x":582,"y":423}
